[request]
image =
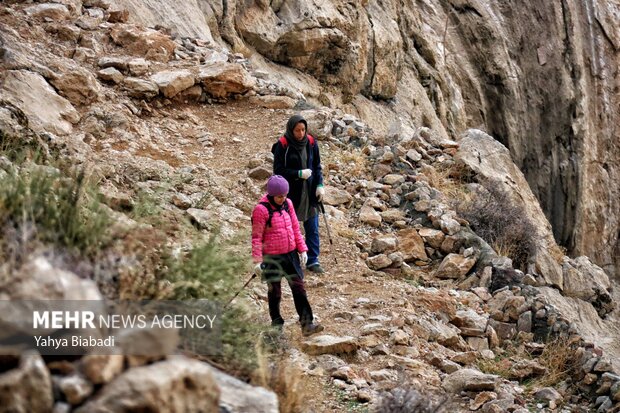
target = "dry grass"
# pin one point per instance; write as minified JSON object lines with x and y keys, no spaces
{"x":503,"y":249}
{"x":500,"y":365}
{"x":450,"y":180}
{"x":55,"y":208}
{"x":559,"y":359}
{"x":349,"y":163}
{"x":558,"y":253}
{"x":284,"y":378}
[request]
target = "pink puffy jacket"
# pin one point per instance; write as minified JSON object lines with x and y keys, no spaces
{"x":281,"y":237}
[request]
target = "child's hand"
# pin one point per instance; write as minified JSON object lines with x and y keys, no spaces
{"x":258,"y":269}
{"x":303,"y":258}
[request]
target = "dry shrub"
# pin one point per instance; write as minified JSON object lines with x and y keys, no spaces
{"x":501,"y":223}
{"x":285,"y":379}
{"x":143,"y":253}
{"x":558,"y":253}
{"x":450,"y":179}
{"x":501,"y":364}
{"x":559,"y":358}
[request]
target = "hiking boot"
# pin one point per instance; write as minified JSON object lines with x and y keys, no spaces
{"x":315,"y":268}
{"x":311,"y":328}
{"x":278,"y":327}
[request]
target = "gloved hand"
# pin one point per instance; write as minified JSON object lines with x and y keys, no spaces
{"x":305,"y":173}
{"x":258,"y":269}
{"x":320,"y":191}
{"x":303,"y":258}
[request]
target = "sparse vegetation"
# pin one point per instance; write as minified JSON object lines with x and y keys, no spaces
{"x":495,"y":218}
{"x":558,"y":253}
{"x":501,"y":363}
{"x":490,"y":212}
{"x":41,"y":203}
{"x":558,"y":358}
{"x":450,"y":180}
{"x":345,"y":403}
{"x":207,"y":271}
{"x":285,"y":379}
{"x":146,"y":204}
{"x":351,"y":162}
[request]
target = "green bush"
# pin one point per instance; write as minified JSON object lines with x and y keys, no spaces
{"x":147,"y":204}
{"x":210,"y":272}
{"x":62,"y":210}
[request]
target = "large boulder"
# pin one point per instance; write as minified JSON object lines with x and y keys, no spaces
{"x":387,"y":52}
{"x":411,"y":245}
{"x":222,"y":80}
{"x":40,"y":280}
{"x":194,"y":19}
{"x":587,"y":281}
{"x":45,"y":109}
{"x":148,"y":43}
{"x":469,"y":380}
{"x":455,"y":266}
{"x":585,"y":318}
{"x":180,"y":385}
{"x":239,"y":397}
{"x":328,"y":40}
{"x":48,"y":11}
{"x":172,"y":82}
{"x":326,"y":344}
{"x":78,"y":85}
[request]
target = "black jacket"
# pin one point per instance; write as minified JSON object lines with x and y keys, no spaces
{"x":287,"y":163}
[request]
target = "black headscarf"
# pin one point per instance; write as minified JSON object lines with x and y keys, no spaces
{"x":290,"y":125}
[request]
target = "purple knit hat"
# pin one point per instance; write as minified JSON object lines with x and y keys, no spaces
{"x":277,"y":185}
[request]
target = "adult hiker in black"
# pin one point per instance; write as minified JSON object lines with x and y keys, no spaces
{"x":278,"y":250}
{"x":297,"y":158}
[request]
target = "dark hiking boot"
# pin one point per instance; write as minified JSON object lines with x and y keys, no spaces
{"x":277,"y":327}
{"x":311,"y":328}
{"x":315,"y":268}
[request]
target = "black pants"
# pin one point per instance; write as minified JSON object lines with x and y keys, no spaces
{"x":289,"y":267}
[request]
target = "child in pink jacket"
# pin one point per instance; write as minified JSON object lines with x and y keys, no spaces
{"x":279,"y":250}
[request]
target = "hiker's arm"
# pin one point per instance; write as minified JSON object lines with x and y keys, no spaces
{"x":278,"y":165}
{"x":259,"y":221}
{"x":299,"y":239}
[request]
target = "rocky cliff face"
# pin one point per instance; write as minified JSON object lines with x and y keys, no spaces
{"x":540,"y":78}
{"x":413,"y":296}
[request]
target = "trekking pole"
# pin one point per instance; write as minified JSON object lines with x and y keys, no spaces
{"x":329,"y":233}
{"x":244,"y":285}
